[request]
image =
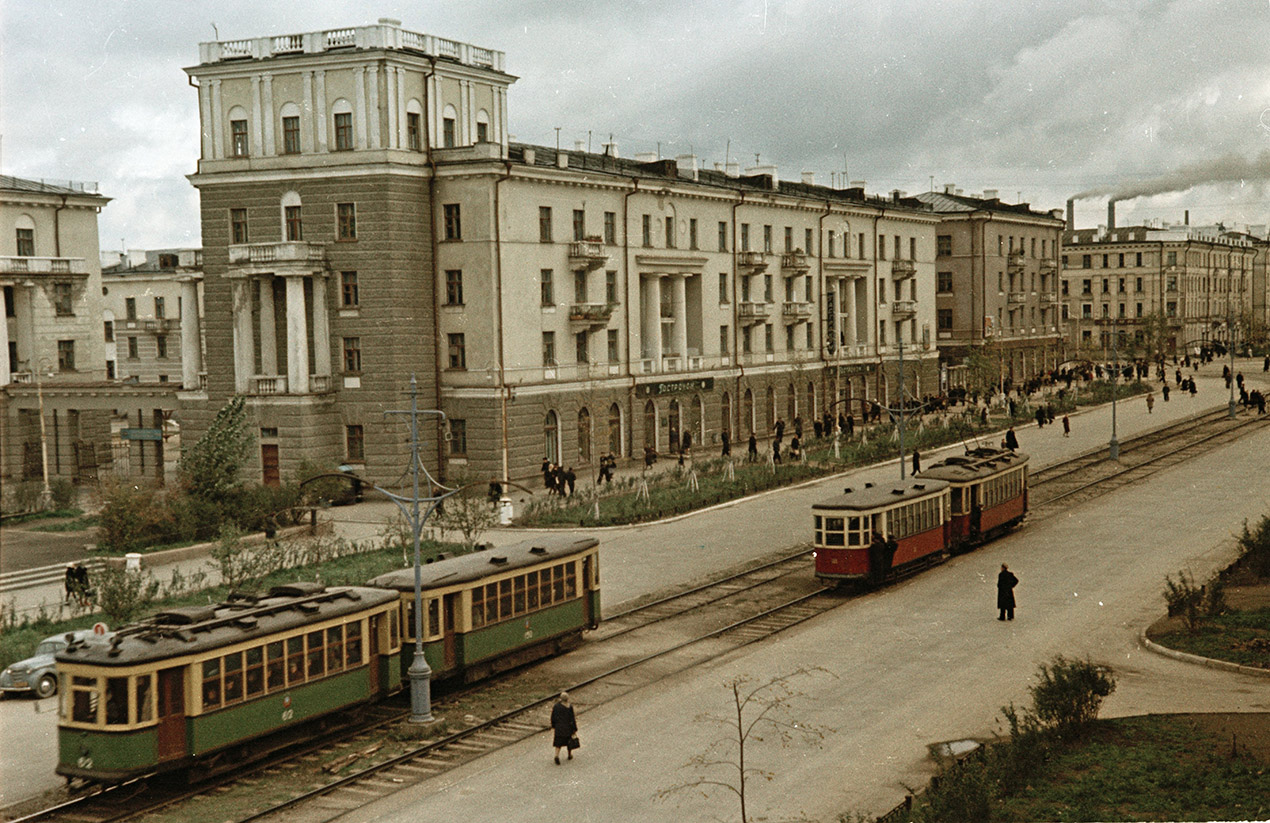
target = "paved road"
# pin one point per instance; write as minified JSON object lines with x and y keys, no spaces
{"x":920,"y":663}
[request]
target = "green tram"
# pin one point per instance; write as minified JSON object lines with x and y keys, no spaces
{"x":206,"y":688}
{"x":493,"y":610}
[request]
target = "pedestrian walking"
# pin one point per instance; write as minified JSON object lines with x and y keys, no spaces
{"x":1006,"y":581}
{"x":850,"y":425}
{"x":776,"y":451}
{"x":1067,"y":426}
{"x":727,"y":444}
{"x":1011,"y":441}
{"x":1164,"y":390}
{"x":917,"y":461}
{"x":570,"y":479}
{"x":564,"y":727}
{"x":752,"y":454}
{"x":71,"y":583}
{"x":1150,"y":402}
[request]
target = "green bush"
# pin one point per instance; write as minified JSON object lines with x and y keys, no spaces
{"x":123,"y":595}
{"x":64,"y":493}
{"x":132,"y":517}
{"x":1069,"y":694}
{"x":1255,"y":546}
{"x":26,"y":496}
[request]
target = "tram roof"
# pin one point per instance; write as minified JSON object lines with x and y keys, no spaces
{"x":882,"y":496}
{"x":482,"y":564}
{"x":192,"y":629}
{"x":975,"y":464}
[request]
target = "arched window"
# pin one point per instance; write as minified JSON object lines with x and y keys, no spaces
{"x":615,"y":429}
{"x":292,"y":226}
{"x":747,"y":412}
{"x":675,"y":425}
{"x":650,"y":424}
{"x":725,"y":415}
{"x":551,"y":438}
{"x":811,"y":399}
{"x":289,"y":114}
{"x":449,"y":127}
{"x":25,"y":235}
{"x":342,"y":114}
{"x":482,"y":126}
{"x":584,"y":436}
{"x":770,"y":410}
{"x":239,"y":144}
{"x":414,"y":125}
{"x":791,"y":404}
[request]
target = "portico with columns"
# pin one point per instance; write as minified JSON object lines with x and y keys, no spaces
{"x":670,"y":312}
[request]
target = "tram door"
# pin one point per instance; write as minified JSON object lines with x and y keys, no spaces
{"x":450,"y":607}
{"x":585,"y":588}
{"x":171,"y":713}
{"x":376,"y":623}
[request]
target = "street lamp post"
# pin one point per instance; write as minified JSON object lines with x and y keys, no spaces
{"x":1113,"y":450}
{"x":1230,"y":344}
{"x":46,"y":494}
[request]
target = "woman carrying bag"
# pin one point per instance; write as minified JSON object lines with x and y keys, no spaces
{"x":564,"y":726}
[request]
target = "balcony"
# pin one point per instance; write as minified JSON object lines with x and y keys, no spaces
{"x":1048,"y":298}
{"x":903,"y":308}
{"x":753,"y":261}
{"x":73,"y":266}
{"x":162,"y":324}
{"x":1016,"y":298}
{"x":902,"y":269}
{"x":587,"y":255}
{"x":1014,"y":261}
{"x":294,"y":257}
{"x":794,"y":264}
{"x":752,"y":312}
{"x":590,"y":314}
{"x":796,"y":312}
{"x":269,"y":384}
{"x":1048,"y":267}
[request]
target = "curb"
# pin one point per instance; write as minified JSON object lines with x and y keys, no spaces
{"x":1196,"y":659}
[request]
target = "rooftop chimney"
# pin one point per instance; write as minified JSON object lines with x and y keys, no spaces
{"x":950,"y":188}
{"x":610,"y":149}
{"x":687,"y":164}
{"x":733,"y":168}
{"x":1186,"y":217}
{"x":1111,"y":215}
{"x":645,"y":156}
{"x":579,"y":145}
{"x":809,"y":178}
{"x":990,"y":194}
{"x":857,"y":184}
{"x":1071,"y":214}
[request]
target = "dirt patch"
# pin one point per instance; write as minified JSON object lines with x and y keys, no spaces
{"x":1242,"y":732}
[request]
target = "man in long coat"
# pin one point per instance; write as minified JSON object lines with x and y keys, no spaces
{"x":1006,"y":581}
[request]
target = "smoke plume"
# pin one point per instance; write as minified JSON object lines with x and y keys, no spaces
{"x":1227,"y":169}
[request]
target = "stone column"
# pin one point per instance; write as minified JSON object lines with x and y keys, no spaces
{"x":217,"y":124}
{"x":191,"y":351}
{"x":267,"y":114}
{"x":4,"y":340}
{"x":360,"y":114}
{"x":372,"y":107}
{"x":679,"y":309}
{"x":257,"y":141}
{"x":319,"y":108}
{"x":847,"y":290}
{"x":297,"y":338}
{"x":268,"y":329}
{"x":205,"y":107}
{"x":244,"y":344}
{"x":321,"y":328}
{"x":390,"y":86}
{"x":652,"y":320}
{"x":308,"y":121}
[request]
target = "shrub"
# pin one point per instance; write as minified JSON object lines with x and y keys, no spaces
{"x":131,"y":517}
{"x":1069,"y":694}
{"x":26,"y":495}
{"x":1255,"y":546}
{"x":123,"y":595}
{"x":64,"y":493}
{"x":209,"y":469}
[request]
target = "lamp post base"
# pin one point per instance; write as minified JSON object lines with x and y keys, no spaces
{"x":1231,"y":410}
{"x":1113,"y":449}
{"x":420,"y":674}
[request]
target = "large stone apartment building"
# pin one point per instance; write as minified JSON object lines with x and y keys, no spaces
{"x":367,"y":219}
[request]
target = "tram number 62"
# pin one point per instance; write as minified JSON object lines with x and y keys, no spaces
{"x":287,"y":715}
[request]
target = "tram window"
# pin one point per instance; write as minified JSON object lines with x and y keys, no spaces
{"x":394,"y":638}
{"x":855,"y":531}
{"x":295,"y":660}
{"x":353,"y":643}
{"x":491,"y":603}
{"x":544,"y":587}
{"x":518,"y":595}
{"x":834,"y":527}
{"x":84,"y":699}
{"x":434,"y":617}
{"x":211,"y":684}
{"x":275,"y":666}
{"x":820,"y":530}
{"x":255,"y":671}
{"x":233,"y":677}
{"x":478,"y":607}
{"x":335,"y":648}
{"x":531,"y":591}
{"x":316,"y":659}
{"x":557,"y":583}
{"x":145,"y":697}
{"x":504,"y":599}
{"x":956,"y":500}
{"x":116,"y":701}
{"x":571,"y":581}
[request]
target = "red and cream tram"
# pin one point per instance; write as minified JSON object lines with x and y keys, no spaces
{"x":988,"y":494}
{"x":867,"y":535}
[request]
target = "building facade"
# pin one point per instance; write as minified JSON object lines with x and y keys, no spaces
{"x":151,"y":336}
{"x":997,"y":285}
{"x":1150,"y":292}
{"x":367,"y":222}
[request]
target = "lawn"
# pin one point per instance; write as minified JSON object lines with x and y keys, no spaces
{"x":1241,"y":637}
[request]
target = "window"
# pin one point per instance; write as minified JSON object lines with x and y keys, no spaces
{"x":457,"y":351}
{"x":454,"y":287}
{"x":943,"y":245}
{"x":291,"y":135}
{"x":832,"y":245}
{"x":549,"y":349}
{"x":1086,"y":310}
{"x":723,"y":236}
{"x":860,"y":243}
{"x":944,"y":319}
{"x":670,"y":232}
{"x":723,"y":287}
{"x":745,"y":236}
{"x":579,"y":225}
{"x":238,"y":226}
{"x":897,"y":247}
{"x":130,"y":308}
{"x":881,"y":247}
{"x":789,"y":338}
{"x":545,"y":287}
{"x":579,"y":286}
{"x":66,"y":355}
{"x":482,"y":132}
{"x":646,"y":226}
{"x":580,"y":347}
{"x":448,"y":138}
{"x":807,"y":241}
{"x":413,"y":131}
{"x":110,"y":331}
{"x":789,"y":239}
{"x":161,"y":346}
{"x":62,"y":299}
{"x":346,"y":221}
{"x":160,"y":308}
{"x":767,"y":287}
{"x":458,"y":437}
{"x":349,"y":297}
{"x":614,"y":354}
{"x":1138,"y":259}
{"x":767,"y":239}
{"x":1086,"y":261}
{"x":692,"y":233}
{"x":769,"y":345}
{"x":610,"y":287}
{"x":544,"y":224}
{"x":295,"y":231}
{"x":610,"y":228}
{"x":1137,"y":284}
{"x":723,"y":339}
{"x":747,"y":340}
{"x":26,"y":242}
{"x":133,"y":350}
{"x":238,"y":137}
{"x":944,"y":282}
{"x":453,"y":221}
{"x":912,"y":248}
{"x":344,"y":131}
{"x":353,"y":354}
{"x":354,"y":443}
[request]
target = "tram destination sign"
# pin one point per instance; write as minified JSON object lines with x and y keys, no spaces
{"x":675,"y":387}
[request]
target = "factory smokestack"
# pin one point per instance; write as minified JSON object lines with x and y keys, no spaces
{"x":1111,"y":215}
{"x":1186,"y":217}
{"x":1071,"y":214}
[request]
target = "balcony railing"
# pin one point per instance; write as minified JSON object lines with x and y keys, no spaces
{"x":1014,"y":260}
{"x":794,"y":263}
{"x":795,"y":312}
{"x":286,"y":252}
{"x":1048,"y":297}
{"x":587,"y":254}
{"x":751,"y":260}
{"x":903,"y":307}
{"x":591,"y":314}
{"x":162,"y":324}
{"x":1016,"y":297}
{"x":903,"y":268}
{"x":269,"y":384}
{"x":752,"y":312}
{"x":43,"y":265}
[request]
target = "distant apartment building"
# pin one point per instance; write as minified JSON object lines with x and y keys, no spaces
{"x":150,"y":315}
{"x":57,"y":403}
{"x":368,"y":221}
{"x":997,"y":283}
{"x":1159,"y":290}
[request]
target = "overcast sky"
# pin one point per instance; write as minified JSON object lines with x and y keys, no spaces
{"x":1042,"y":99}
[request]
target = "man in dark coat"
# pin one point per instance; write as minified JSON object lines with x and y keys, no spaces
{"x":752,"y":453}
{"x":1006,"y":581}
{"x":1011,"y":439}
{"x":564,"y":726}
{"x":727,"y":443}
{"x":570,"y":478}
{"x":917,"y":462}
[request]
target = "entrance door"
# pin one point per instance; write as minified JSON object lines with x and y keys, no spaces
{"x":451,"y":651}
{"x":171,"y":713}
{"x":270,"y":475}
